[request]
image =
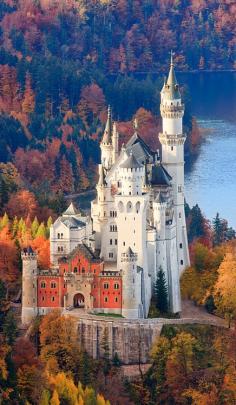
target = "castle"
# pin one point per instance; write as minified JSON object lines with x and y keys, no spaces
{"x":108,"y":263}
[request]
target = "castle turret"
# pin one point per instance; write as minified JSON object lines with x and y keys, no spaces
{"x":29,"y":285}
{"x":172,"y":139}
{"x":107,"y":143}
{"x":131,"y":285}
{"x":115,"y":143}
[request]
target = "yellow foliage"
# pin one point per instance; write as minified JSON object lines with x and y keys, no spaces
{"x":202,"y":398}
{"x":55,"y":398}
{"x":225,"y":287}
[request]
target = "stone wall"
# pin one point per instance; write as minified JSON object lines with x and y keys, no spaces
{"x":130,"y":339}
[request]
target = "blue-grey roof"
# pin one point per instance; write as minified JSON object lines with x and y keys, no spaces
{"x":72,"y":222}
{"x":159,"y":176}
{"x":139,"y":148}
{"x":131,"y":163}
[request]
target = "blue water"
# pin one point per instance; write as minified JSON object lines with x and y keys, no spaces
{"x":211,"y":182}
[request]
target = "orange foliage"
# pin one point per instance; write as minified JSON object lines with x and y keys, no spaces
{"x":8,"y":257}
{"x":22,"y":204}
{"x":42,"y":247}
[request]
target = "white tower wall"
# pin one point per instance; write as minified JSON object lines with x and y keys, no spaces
{"x":29,"y":287}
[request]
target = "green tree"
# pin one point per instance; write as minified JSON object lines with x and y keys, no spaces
{"x":4,"y":221}
{"x":106,"y":364}
{"x":10,"y":328}
{"x":161,"y":291}
{"x":197,"y":224}
{"x":34,"y":227}
{"x":219,"y":230}
{"x":41,"y":231}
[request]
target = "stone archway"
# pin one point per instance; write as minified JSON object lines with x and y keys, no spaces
{"x":79,"y":301}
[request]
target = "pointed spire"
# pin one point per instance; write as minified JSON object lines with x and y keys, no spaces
{"x":107,"y":136}
{"x":172,"y":84}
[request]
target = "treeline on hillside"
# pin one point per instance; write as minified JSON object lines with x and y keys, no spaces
{"x":57,"y":64}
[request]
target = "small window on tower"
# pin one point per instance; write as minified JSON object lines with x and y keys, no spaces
{"x":181,"y":262}
{"x":172,"y":147}
{"x":179,"y":214}
{"x":181,"y":245}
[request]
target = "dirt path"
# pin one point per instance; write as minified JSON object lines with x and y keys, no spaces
{"x":190,"y":310}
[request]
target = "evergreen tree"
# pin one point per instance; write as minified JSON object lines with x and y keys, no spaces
{"x":106,"y":354}
{"x":197,"y":224}
{"x":34,"y":227}
{"x":14,"y":228}
{"x":41,"y":231}
{"x":49,"y":223}
{"x":10,"y":328}
{"x":4,"y":221}
{"x":219,"y":230}
{"x":161,"y":292}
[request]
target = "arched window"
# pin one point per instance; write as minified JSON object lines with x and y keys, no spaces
{"x":53,"y":284}
{"x":129,"y":206}
{"x":105,"y":299}
{"x":105,"y":286}
{"x":61,"y":235}
{"x":75,"y":270}
{"x":137,"y":207}
{"x":121,"y":206}
{"x":43,"y":284}
{"x":116,"y":286}
{"x":58,"y":236}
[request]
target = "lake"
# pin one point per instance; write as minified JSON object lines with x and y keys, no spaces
{"x":211,"y":180}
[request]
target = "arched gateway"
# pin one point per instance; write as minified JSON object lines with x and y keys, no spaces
{"x":79,"y":301}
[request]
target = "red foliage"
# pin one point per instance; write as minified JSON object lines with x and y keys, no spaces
{"x":22,"y":204}
{"x":24,"y":352}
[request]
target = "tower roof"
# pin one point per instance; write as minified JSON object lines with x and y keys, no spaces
{"x":107,"y":136}
{"x":71,"y":210}
{"x":159,"y":176}
{"x":131,"y":163}
{"x":171,"y":87}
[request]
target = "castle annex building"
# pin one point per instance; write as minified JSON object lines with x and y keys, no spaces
{"x":108,"y":263}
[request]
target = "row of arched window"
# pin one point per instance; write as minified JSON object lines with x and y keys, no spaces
{"x":106,"y":286}
{"x":113,"y":228}
{"x":60,"y":236}
{"x":53,"y":284}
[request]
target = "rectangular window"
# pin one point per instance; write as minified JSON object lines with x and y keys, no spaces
{"x":110,"y":241}
{"x":110,"y":255}
{"x":115,"y":241}
{"x":105,"y":299}
{"x":181,"y":245}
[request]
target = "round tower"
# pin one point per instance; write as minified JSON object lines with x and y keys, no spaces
{"x":132,"y":176}
{"x":172,"y":140}
{"x":29,"y":285}
{"x":131,"y":286}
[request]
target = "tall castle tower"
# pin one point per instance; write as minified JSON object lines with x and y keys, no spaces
{"x":131,"y":205}
{"x":172,"y":139}
{"x":29,"y":285}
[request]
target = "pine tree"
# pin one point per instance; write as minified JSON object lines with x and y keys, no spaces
{"x":10,"y":328}
{"x":4,"y":221}
{"x":106,"y":354}
{"x":55,"y":399}
{"x":14,"y":228}
{"x":34,"y":227}
{"x":41,"y":231}
{"x":218,"y":230}
{"x":28,"y":104}
{"x":161,"y":292}
{"x":49,"y":223}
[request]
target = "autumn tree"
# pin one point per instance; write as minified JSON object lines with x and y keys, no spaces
{"x":28,"y":103}
{"x":58,"y":340}
{"x":22,"y":204}
{"x":225,"y":287}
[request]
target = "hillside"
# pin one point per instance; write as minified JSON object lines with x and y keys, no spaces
{"x":62,"y":62}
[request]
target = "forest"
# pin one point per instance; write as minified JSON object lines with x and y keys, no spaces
{"x":63,"y":62}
